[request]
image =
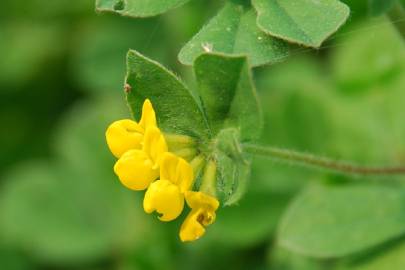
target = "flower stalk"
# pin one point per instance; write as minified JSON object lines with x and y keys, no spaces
{"x":310,"y":160}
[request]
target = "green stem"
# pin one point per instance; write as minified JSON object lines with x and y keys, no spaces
{"x":343,"y":167}
{"x":397,"y":16}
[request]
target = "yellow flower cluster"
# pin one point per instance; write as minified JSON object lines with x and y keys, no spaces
{"x":144,"y":162}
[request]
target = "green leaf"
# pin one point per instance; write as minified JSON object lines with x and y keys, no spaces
{"x":367,"y":59}
{"x":138,"y":8}
{"x":228,"y":95}
{"x":231,"y":106}
{"x":234,"y":31}
{"x":176,"y":109}
{"x":336,"y":221}
{"x":45,"y":207}
{"x":379,"y":7}
{"x":305,"y":22}
{"x":391,"y":258}
{"x":281,"y":259}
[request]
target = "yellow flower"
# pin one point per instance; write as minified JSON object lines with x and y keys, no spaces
{"x":136,"y":169}
{"x":166,"y":196}
{"x":124,"y":135}
{"x":202,"y":214}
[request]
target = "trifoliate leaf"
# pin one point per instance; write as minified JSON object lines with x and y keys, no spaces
{"x":224,"y":86}
{"x":305,"y":22}
{"x":233,"y":30}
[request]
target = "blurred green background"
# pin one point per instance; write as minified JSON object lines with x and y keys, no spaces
{"x":61,"y":77}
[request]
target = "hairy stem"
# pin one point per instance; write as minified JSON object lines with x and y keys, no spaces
{"x":343,"y":167}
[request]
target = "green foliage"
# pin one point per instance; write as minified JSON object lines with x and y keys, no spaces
{"x":318,"y":220}
{"x":314,"y":110}
{"x":226,"y":102}
{"x":228,"y":94}
{"x":392,"y":259}
{"x":234,"y":30}
{"x":68,"y":211}
{"x":10,"y":259}
{"x":281,"y":259}
{"x":378,"y":7}
{"x":99,"y":57}
{"x":384,"y":60}
{"x":138,"y":8}
{"x":254,"y":218}
{"x":71,"y":227}
{"x":257,"y":31}
{"x":304,"y":22}
{"x":233,"y":168}
{"x":176,"y":109}
{"x":39,"y":51}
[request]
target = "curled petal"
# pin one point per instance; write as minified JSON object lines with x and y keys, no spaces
{"x":198,"y":199}
{"x":123,"y":135}
{"x":192,"y":229}
{"x":136,"y":170}
{"x":202,"y":214}
{"x":176,"y":170}
{"x":148,"y":117}
{"x":165,"y":198}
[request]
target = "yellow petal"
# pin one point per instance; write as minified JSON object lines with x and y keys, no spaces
{"x":165,"y":198}
{"x":192,"y":229}
{"x":148,"y":117}
{"x":202,"y":214}
{"x":184,"y":175}
{"x":168,"y":167}
{"x":154,"y":144}
{"x":176,"y":170}
{"x":123,"y":135}
{"x":198,"y":199}
{"x":135,"y":170}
